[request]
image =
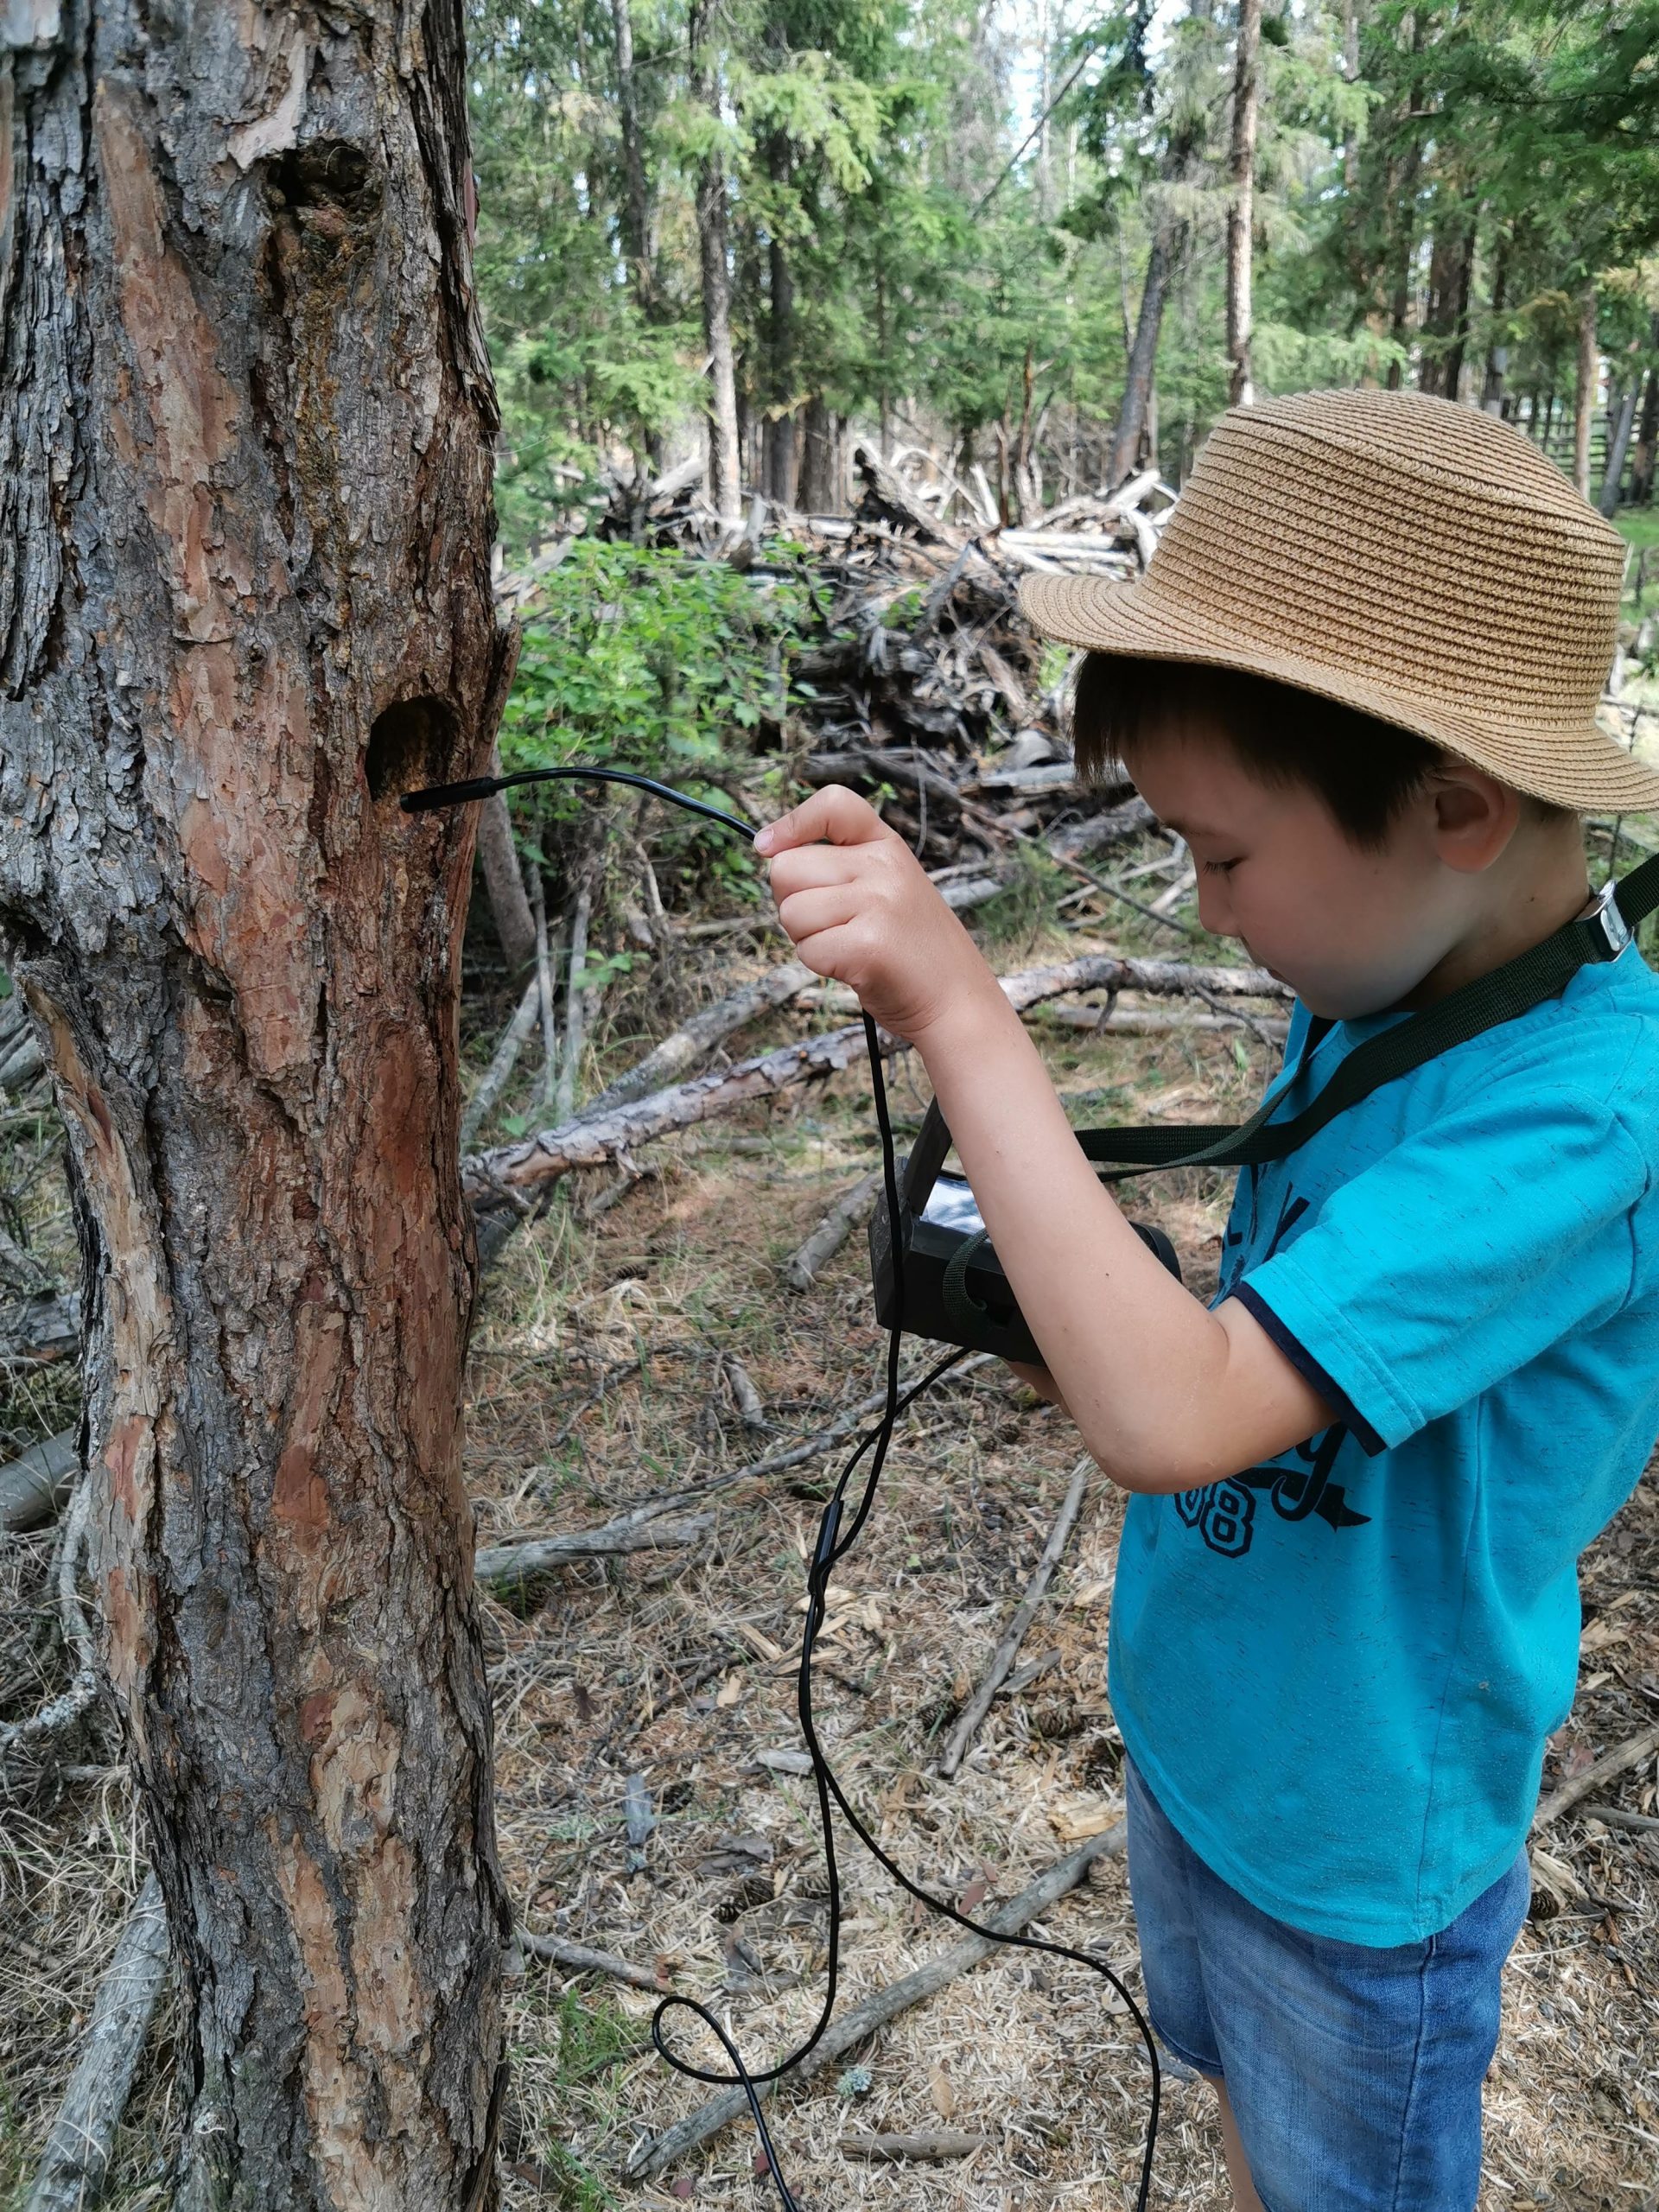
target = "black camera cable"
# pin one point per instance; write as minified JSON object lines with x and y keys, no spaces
{"x":831,"y":1548}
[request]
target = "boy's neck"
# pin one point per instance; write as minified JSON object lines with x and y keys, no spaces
{"x":1533,"y":892}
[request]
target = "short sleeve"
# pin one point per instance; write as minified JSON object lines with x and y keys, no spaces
{"x":1462,"y":1254}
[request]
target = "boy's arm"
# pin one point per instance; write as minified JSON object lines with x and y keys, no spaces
{"x":1166,"y":1394}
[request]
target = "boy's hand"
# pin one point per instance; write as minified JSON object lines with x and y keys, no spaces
{"x":854,"y":898}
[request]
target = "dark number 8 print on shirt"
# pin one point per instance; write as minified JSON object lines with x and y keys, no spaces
{"x":1225,"y":1513}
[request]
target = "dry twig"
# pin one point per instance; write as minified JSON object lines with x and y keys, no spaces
{"x":499,"y":1074}
{"x":62,"y":1711}
{"x":1002,"y":1658}
{"x":78,"y":2151}
{"x":801,"y":1269}
{"x":1619,"y":1761}
{"x":644,"y":1531}
{"x":580,"y":1958}
{"x":945,"y":2142}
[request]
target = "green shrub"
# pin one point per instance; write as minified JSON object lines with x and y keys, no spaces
{"x":653,"y":660}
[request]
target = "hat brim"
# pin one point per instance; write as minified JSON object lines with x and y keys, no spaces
{"x":1576,"y":766}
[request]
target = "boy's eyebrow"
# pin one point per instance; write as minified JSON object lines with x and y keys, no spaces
{"x":1189,"y":828}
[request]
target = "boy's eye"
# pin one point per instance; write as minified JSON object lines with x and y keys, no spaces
{"x":1218,"y":868}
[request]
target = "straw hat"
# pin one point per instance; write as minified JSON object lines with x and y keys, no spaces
{"x":1410,"y":557}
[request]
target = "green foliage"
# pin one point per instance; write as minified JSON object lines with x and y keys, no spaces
{"x":658,"y":662}
{"x":594,"y":2034}
{"x":653,"y":660}
{"x":1429,"y":206}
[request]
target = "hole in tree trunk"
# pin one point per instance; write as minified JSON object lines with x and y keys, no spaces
{"x":411,"y":744}
{"x":327,"y":172}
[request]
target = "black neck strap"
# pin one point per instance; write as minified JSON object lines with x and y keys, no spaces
{"x":1543,"y":972}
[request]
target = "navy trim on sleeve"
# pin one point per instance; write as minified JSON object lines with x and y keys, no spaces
{"x":1310,"y":1370}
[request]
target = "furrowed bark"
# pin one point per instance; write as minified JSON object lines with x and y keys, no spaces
{"x":245,"y":429}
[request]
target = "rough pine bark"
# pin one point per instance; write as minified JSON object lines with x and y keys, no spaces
{"x":245,"y":421}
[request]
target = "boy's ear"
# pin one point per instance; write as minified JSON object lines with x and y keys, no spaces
{"x":1475,"y":816}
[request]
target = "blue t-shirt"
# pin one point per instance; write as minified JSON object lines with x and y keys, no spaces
{"x":1338,"y":1671}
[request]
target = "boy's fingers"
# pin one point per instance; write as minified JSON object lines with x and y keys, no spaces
{"x":824,"y":907}
{"x":834,"y":814}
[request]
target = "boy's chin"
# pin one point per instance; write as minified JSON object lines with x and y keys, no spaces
{"x":1346,"y":998}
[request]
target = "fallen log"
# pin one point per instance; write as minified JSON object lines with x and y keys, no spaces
{"x":76,"y":2159}
{"x":494,"y":1179}
{"x":974,"y":1713}
{"x":883,"y":2005}
{"x":821,"y":768}
{"x":887,"y":497}
{"x":801,"y":1269}
{"x":489,"y":1179}
{"x":676,"y":1052}
{"x":36,"y":1486}
{"x":633,"y":1532}
{"x":40,"y":1331}
{"x":1076,"y":841}
{"x":1142,"y":1022}
{"x":582,"y":1958}
{"x":1619,"y":1760}
{"x":22,"y":1062}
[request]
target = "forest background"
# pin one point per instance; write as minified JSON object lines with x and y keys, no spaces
{"x":1004,"y":229}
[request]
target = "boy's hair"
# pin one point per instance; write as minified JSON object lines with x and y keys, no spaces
{"x":1364,"y":770}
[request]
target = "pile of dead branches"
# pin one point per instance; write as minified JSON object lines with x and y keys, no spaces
{"x":920,"y":674}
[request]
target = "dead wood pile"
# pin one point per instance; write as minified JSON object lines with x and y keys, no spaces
{"x":920,"y":673}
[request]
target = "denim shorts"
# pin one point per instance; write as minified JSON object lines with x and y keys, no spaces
{"x":1354,"y":2073}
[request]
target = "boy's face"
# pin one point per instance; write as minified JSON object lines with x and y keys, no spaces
{"x":1352,"y":930}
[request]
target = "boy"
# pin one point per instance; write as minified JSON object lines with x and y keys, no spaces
{"x":1359,"y":677}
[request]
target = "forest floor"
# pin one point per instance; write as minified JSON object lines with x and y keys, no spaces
{"x":600,"y":1376}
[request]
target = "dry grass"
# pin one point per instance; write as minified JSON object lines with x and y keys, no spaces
{"x":597,"y":1381}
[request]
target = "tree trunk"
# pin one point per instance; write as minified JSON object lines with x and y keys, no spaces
{"x":246,"y":421}
{"x":1497,"y":350}
{"x":1462,"y":286}
{"x":778,"y":473}
{"x":1445,"y":317}
{"x":1647,"y":436}
{"x":1240,"y":206}
{"x":820,"y":493}
{"x":1584,"y":404}
{"x":1405,"y":179}
{"x":1618,"y":444}
{"x":636,"y":203}
{"x":725,"y":471}
{"x":1167,"y":241}
{"x":503,"y":883}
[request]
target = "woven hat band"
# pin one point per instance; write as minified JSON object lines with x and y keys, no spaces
{"x":1413,"y":558}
